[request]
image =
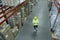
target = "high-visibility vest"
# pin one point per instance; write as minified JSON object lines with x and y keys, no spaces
{"x":35,"y":21}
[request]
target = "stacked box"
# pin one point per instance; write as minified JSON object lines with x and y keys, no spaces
{"x":6,"y":32}
{"x":12,"y":2}
{"x":11,"y":21}
{"x":17,"y":17}
{"x":5,"y":2}
{"x":15,"y":31}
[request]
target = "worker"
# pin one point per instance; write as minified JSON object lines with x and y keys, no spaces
{"x":35,"y":23}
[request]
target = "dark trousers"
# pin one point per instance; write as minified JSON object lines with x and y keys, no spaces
{"x":35,"y":26}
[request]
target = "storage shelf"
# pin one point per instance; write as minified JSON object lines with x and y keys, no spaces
{"x":14,"y":11}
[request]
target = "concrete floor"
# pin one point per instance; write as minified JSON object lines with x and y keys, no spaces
{"x":26,"y":33}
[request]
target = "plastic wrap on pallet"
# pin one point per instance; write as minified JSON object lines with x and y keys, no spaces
{"x":12,"y":2}
{"x":5,"y":2}
{"x":54,"y":9}
{"x":34,"y":2}
{"x":22,"y":1}
{"x":11,"y":21}
{"x":54,"y":13}
{"x":57,"y":29}
{"x":30,"y":5}
{"x":23,"y":11}
{"x":26,"y":7}
{"x":53,"y":17}
{"x":18,"y":19}
{"x":16,"y":2}
{"x":58,"y":19}
{"x":26,"y":10}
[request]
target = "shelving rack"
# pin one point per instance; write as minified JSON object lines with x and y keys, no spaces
{"x":13,"y":10}
{"x":58,"y":9}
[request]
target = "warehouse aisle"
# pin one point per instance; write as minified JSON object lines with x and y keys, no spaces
{"x":26,"y":33}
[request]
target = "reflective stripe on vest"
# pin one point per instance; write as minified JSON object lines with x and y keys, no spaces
{"x":35,"y":22}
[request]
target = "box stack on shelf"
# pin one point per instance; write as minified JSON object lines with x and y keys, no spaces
{"x":34,"y":2}
{"x":27,"y":10}
{"x":31,"y":4}
{"x":10,"y":25}
{"x":54,"y":19}
{"x":22,"y":15}
{"x":5,"y":32}
{"x":12,"y":2}
{"x":18,"y":19}
{"x":10,"y":20}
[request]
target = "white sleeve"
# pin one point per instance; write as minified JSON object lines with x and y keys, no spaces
{"x":33,"y":22}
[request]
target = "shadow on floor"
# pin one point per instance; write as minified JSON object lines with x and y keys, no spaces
{"x":34,"y":35}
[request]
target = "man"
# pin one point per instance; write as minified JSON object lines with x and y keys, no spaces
{"x":35,"y":23}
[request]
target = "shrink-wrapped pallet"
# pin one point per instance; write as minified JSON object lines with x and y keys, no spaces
{"x":17,"y":17}
{"x":12,"y":2}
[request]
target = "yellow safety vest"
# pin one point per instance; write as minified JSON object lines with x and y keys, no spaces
{"x":35,"y":21}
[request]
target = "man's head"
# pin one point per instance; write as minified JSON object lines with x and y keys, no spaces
{"x":35,"y":17}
